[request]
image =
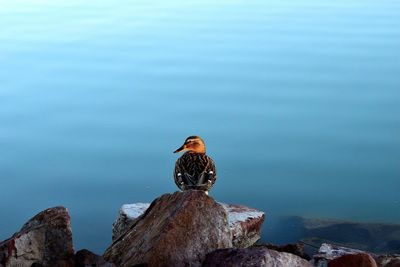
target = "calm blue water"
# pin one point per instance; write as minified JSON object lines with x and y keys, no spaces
{"x":298,"y":102}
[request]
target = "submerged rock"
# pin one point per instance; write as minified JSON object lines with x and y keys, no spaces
{"x":176,"y":230}
{"x":45,"y":240}
{"x":245,"y":223}
{"x":254,"y":256}
{"x":374,"y":237}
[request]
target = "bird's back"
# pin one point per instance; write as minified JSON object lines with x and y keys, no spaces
{"x":195,"y":171}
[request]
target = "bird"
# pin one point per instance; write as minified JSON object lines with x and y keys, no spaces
{"x":194,"y":169}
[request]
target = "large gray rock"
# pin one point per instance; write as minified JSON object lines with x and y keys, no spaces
{"x":176,"y":230}
{"x":255,"y":256}
{"x":45,"y":240}
{"x":245,"y":223}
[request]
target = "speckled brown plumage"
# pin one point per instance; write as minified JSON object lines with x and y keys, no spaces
{"x":195,"y":171}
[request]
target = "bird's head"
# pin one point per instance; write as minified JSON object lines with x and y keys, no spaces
{"x":193,"y":144}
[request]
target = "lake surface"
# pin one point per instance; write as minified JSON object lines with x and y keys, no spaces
{"x":298,"y":102}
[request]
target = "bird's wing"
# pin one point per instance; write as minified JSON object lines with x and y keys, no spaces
{"x":204,"y":170}
{"x":186,"y":172}
{"x":195,"y":170}
{"x":210,"y":170}
{"x":178,"y":172}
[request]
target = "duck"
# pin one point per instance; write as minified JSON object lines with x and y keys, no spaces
{"x":194,"y":169}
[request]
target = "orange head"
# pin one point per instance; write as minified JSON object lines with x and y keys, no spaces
{"x":193,"y":144}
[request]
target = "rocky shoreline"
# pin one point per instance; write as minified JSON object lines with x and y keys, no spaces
{"x":180,"y":229}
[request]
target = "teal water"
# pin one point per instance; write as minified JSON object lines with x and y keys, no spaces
{"x":298,"y":102}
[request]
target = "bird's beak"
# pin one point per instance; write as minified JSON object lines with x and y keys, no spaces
{"x":180,"y":149}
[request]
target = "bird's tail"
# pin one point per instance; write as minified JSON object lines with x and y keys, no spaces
{"x":189,"y":179}
{"x":198,"y":184}
{"x":203,"y":178}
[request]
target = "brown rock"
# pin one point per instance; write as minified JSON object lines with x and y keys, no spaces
{"x":393,"y":263}
{"x":86,"y":258}
{"x":353,"y":260}
{"x":45,"y":240}
{"x":245,"y":223}
{"x":255,"y":256}
{"x":176,"y":230}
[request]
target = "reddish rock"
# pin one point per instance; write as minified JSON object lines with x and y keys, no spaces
{"x":328,"y":253}
{"x":176,"y":230}
{"x":245,"y":223}
{"x":254,"y":256}
{"x":392,"y":263}
{"x":45,"y":240}
{"x":353,"y":260}
{"x":86,"y":258}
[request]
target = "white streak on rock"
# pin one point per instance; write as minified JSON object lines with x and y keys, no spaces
{"x":132,"y":211}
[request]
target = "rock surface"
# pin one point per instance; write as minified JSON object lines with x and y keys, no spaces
{"x":245,"y":223}
{"x":328,"y":253}
{"x":176,"y":230}
{"x":296,"y":249}
{"x":86,"y":258}
{"x":128,"y":213}
{"x":255,"y":256}
{"x":353,"y":260}
{"x":388,"y":260}
{"x":45,"y":240}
